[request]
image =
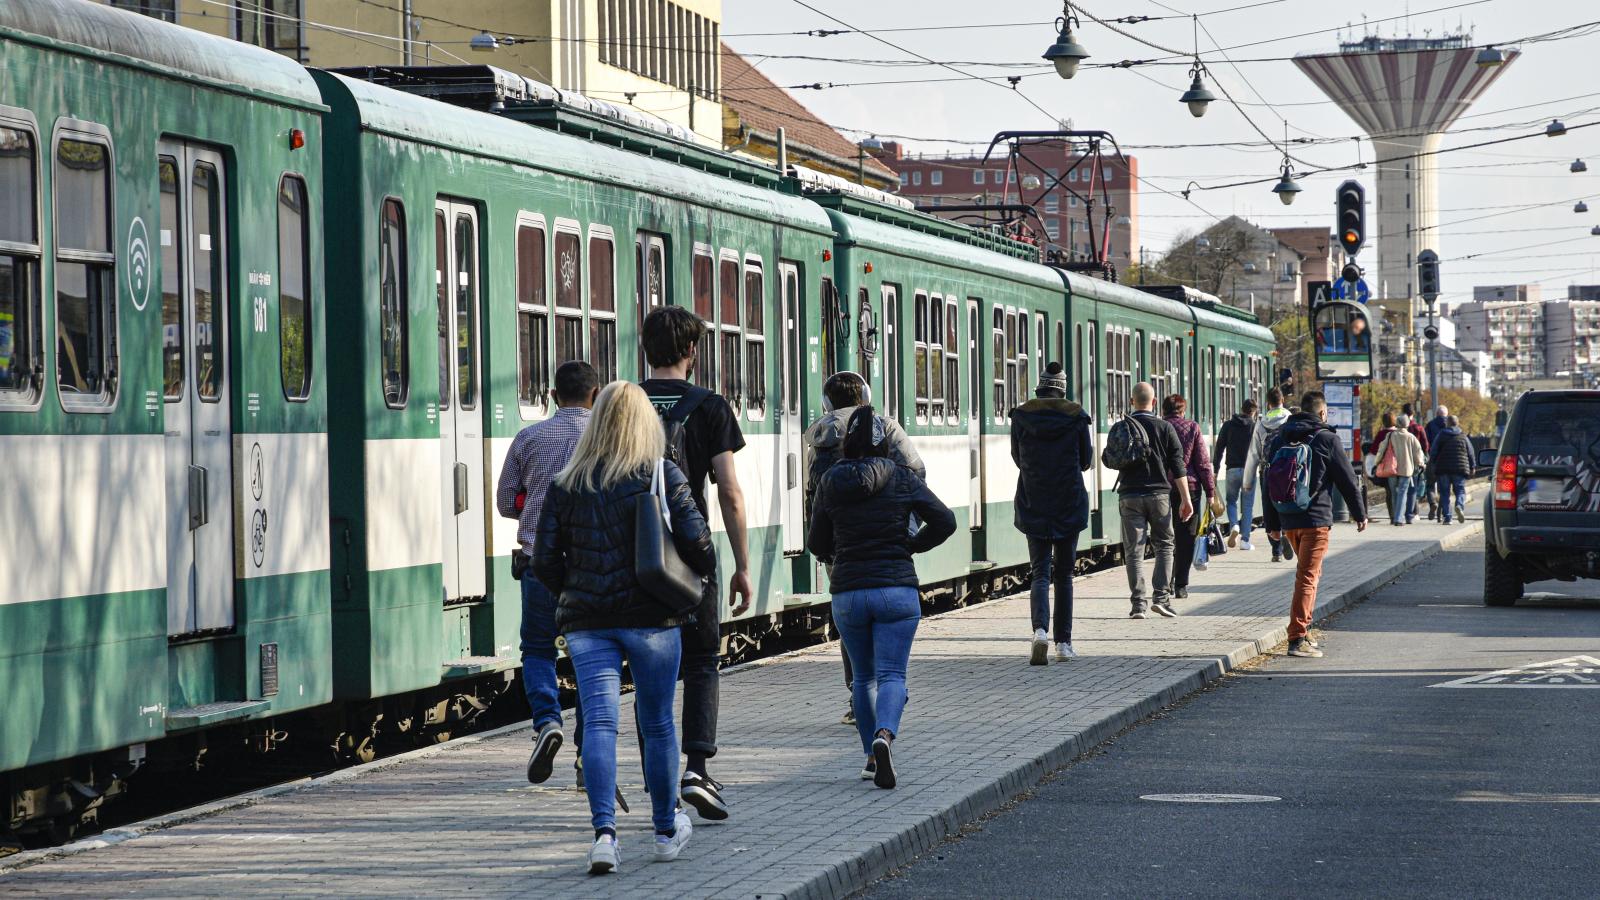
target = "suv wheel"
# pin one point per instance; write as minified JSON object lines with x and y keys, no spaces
{"x":1502,"y":583}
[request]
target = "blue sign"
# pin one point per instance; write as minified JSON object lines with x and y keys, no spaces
{"x":1342,"y":290}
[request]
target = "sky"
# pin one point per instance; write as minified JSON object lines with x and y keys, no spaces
{"x":1550,"y":245}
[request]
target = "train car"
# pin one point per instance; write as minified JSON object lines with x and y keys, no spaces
{"x":477,"y":253}
{"x":163,"y":410}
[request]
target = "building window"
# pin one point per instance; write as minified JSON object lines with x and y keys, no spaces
{"x":294,"y":289}
{"x":905,"y":178}
{"x":533,"y":321}
{"x":393,"y":304}
{"x":916,"y":178}
{"x":1106,"y":173}
{"x":1011,"y":176}
{"x":977,"y":176}
{"x":86,"y":320}
{"x":1052,"y":203}
{"x":273,"y":24}
{"x":165,"y":10}
{"x":1072,"y":175}
{"x":936,"y":177}
{"x":21,"y":331}
{"x":1052,"y":227}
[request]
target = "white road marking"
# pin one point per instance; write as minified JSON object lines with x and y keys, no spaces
{"x":1572,"y":672}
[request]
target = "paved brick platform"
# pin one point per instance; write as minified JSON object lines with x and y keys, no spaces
{"x":981,"y":727}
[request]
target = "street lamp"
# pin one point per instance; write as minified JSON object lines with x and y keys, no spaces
{"x":1577,"y":166}
{"x":1286,"y":188}
{"x":1580,"y":207}
{"x":1490,"y":58}
{"x":1555,"y":129}
{"x":484,"y":42}
{"x":1066,"y":52}
{"x":1197,"y":97}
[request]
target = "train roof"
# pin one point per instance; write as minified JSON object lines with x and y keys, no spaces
{"x":171,"y":50}
{"x":1195,"y":308}
{"x":888,"y":236}
{"x":407,"y":116}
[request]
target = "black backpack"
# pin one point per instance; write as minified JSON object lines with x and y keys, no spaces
{"x":672,"y":423}
{"x":1127,"y":445}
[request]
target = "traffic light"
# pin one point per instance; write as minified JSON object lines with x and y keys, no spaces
{"x":1352,"y":218}
{"x":1428,"y":275}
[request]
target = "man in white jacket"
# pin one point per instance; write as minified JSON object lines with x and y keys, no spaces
{"x":1255,"y":463}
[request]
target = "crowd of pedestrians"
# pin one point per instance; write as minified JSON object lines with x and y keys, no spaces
{"x":617,"y":565}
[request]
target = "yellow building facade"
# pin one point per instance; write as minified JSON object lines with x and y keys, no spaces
{"x":658,"y":55}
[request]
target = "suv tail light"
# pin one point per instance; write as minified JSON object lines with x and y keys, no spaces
{"x":1505,"y":483}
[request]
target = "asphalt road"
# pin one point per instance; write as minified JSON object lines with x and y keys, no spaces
{"x":1388,"y":787}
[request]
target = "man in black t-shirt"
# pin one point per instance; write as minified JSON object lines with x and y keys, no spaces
{"x":671,"y":336}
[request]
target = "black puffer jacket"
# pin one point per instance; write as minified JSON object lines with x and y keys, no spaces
{"x":1051,"y":446}
{"x":861,"y":524}
{"x":1452,"y":453}
{"x":584,"y":553}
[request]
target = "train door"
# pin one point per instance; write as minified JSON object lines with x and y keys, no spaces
{"x":456,"y":278}
{"x":1088,"y":394}
{"x":789,"y":413}
{"x":974,"y":414}
{"x":194,"y":353}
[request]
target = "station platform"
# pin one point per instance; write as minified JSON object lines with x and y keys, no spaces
{"x":982,"y":727}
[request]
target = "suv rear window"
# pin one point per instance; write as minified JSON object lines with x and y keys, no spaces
{"x":1564,"y":428}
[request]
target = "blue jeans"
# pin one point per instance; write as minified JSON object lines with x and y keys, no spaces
{"x":539,"y":652}
{"x":653,"y":655}
{"x":876,"y":626}
{"x":1400,"y":496}
{"x":1241,"y":504}
{"x":1452,"y":493}
{"x":1055,"y":557}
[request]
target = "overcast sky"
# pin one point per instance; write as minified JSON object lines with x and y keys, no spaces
{"x":1140,"y":107}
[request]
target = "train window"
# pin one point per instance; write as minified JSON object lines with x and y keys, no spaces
{"x":705,"y":368}
{"x":755,"y":340}
{"x":1041,"y":346}
{"x":728,"y":322}
{"x":1011,"y":366}
{"x":1228,"y":389}
{"x":866,"y":335}
{"x":936,"y":350}
{"x":1088,"y":388}
{"x":210,"y":272}
{"x":893,"y":355}
{"x":952,"y":362}
{"x":86,"y":321}
{"x":919,"y":343}
{"x":651,"y":287}
{"x":393,"y":304}
{"x":1061,"y":344}
{"x":533,"y":321}
{"x":569,"y":295}
{"x":441,"y":290}
{"x":997,"y":352}
{"x":169,"y":229}
{"x":466,"y":285}
{"x":603,"y":307}
{"x":294,"y":289}
{"x":833,"y":323}
{"x":20,"y":328}
{"x":791,"y":336}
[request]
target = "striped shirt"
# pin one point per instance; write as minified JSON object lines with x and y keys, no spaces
{"x":537,"y":454}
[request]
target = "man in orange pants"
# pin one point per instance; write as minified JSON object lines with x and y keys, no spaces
{"x":1305,"y":463}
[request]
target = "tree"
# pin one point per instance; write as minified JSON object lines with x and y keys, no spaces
{"x":1293,"y":335}
{"x":1379,"y":397}
{"x":1474,"y":411}
{"x":1231,"y":247}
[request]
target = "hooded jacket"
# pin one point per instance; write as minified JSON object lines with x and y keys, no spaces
{"x":827,"y":433}
{"x":1452,"y":453}
{"x":1050,"y":444}
{"x":584,"y":552}
{"x":1255,"y":464}
{"x":858,"y":524}
{"x":1330,"y":471}
{"x":1233,"y":442}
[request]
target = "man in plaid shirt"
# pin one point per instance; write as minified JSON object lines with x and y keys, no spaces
{"x":537,"y":454}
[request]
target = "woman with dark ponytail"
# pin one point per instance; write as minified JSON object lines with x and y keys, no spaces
{"x":861,"y":525}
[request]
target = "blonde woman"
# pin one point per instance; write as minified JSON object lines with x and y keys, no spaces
{"x":585,"y":555}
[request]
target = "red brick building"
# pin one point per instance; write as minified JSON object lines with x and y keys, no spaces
{"x":935,"y":181}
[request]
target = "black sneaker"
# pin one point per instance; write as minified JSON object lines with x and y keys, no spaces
{"x":545,"y":745}
{"x":1165,"y":609}
{"x":1180,"y":593}
{"x":1277,"y":557}
{"x":704,"y":794}
{"x":1302,"y":647}
{"x":849,"y":717}
{"x":869,"y":771}
{"x":1139,"y":612}
{"x":883,"y":765}
{"x":1288,"y":550}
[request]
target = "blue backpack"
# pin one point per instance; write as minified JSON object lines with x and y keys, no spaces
{"x":1289,"y":477}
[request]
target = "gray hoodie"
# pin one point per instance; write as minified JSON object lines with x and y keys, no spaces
{"x":827,"y":433}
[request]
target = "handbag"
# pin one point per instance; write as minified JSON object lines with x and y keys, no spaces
{"x":1215,"y":545}
{"x":660,"y":571}
{"x":1387,"y":466}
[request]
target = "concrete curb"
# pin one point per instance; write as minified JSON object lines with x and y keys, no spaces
{"x":855,"y":874}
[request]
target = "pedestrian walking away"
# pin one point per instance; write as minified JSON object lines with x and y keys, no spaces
{"x":1051,"y":446}
{"x":1387,"y":421}
{"x":1401,"y":460}
{"x":1148,"y":457}
{"x":1421,"y":484}
{"x":1200,"y":482}
{"x":842,"y":393}
{"x":1431,"y":432}
{"x":859,"y":527}
{"x":1255,"y":466}
{"x":586,"y":554}
{"x":704,"y":436}
{"x":1232,"y":450}
{"x":1306,"y":464}
{"x":1452,"y":464}
{"x":537,"y":453}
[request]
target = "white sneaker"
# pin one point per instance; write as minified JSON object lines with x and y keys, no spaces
{"x":1201,"y":565}
{"x":1246,"y":546}
{"x":668,"y":848}
{"x":1041,"y":648}
{"x":603,"y":856}
{"x":1065,"y":652}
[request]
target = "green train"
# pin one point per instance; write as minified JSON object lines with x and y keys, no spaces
{"x":266,"y":334}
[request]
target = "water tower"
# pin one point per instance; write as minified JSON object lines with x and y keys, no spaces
{"x":1404,"y":92}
